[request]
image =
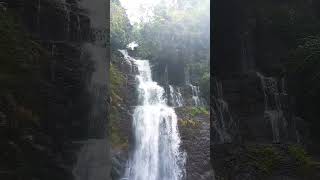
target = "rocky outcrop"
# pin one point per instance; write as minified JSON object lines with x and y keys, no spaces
{"x":261,"y":161}
{"x":71,"y":96}
{"x":194,"y":128}
{"x":253,"y":100}
{"x":260,"y":109}
{"x":122,"y":110}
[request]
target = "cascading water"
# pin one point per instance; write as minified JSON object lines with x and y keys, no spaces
{"x":67,"y":11}
{"x":195,"y":90}
{"x":132,"y":45}
{"x":195,"y":95}
{"x":283,"y":86}
{"x":156,"y":154}
{"x":273,"y":105}
{"x":224,"y":120}
{"x":176,"y":96}
{"x":127,"y":59}
{"x":78,"y":26}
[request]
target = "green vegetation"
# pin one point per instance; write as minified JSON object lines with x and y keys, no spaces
{"x":120,"y":28}
{"x":190,"y":114}
{"x":118,"y":141}
{"x":177,"y":29}
{"x":22,"y":67}
{"x":265,"y":159}
{"x":268,"y":158}
{"x":174,"y":35}
{"x":22,"y":62}
{"x":299,"y":154}
{"x":205,"y":84}
{"x":305,"y":165}
{"x":303,"y":63}
{"x":177,"y":34}
{"x":201,"y":73}
{"x":120,"y":33}
{"x":305,"y":60}
{"x":117,"y":82}
{"x":189,"y":123}
{"x":195,"y":111}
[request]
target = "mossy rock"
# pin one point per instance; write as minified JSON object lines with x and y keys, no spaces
{"x":189,"y":123}
{"x":195,"y":111}
{"x":304,"y":163}
{"x":265,"y":159}
{"x":117,"y":81}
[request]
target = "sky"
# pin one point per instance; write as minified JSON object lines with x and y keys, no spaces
{"x":142,"y":10}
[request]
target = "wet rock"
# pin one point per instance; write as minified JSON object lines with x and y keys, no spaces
{"x":61,"y":29}
{"x":195,"y":141}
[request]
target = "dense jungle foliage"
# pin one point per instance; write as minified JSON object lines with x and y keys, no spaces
{"x":177,"y":36}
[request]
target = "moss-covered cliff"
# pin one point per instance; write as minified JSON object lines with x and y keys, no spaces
{"x":46,"y":97}
{"x":265,"y":64}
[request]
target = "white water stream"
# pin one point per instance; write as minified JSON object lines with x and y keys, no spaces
{"x":194,"y":89}
{"x":195,"y":95}
{"x":273,"y":105}
{"x":176,"y":96}
{"x":156,"y":154}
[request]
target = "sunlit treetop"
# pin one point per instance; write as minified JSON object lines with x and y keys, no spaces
{"x":142,"y":11}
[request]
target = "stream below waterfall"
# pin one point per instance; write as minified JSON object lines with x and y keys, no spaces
{"x":156,"y":154}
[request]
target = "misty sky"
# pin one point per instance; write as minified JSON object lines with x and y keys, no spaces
{"x":142,"y":10}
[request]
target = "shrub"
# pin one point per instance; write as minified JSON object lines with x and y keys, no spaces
{"x":265,"y":159}
{"x":302,"y":159}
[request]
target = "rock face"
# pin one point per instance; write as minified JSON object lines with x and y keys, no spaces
{"x":74,"y":87}
{"x":258,"y":109}
{"x":252,"y":102}
{"x":125,"y":109}
{"x":258,"y":161}
{"x":195,"y":138}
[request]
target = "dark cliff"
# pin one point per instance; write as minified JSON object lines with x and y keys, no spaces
{"x":55,"y":98}
{"x":257,"y":99}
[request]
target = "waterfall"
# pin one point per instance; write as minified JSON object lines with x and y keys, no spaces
{"x":79,"y":26}
{"x":195,"y":95}
{"x":194,"y":89}
{"x":283,"y":86}
{"x":67,"y":11}
{"x":176,"y":96}
{"x":132,"y":45}
{"x":127,"y":59}
{"x":156,"y":154}
{"x":273,"y":105}
{"x":224,"y":121}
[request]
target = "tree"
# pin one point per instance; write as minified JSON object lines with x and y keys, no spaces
{"x":120,"y":27}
